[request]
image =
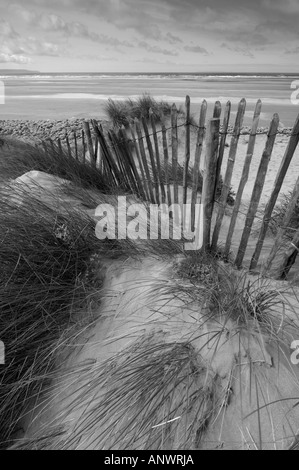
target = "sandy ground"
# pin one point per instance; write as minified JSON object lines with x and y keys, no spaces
{"x":245,"y":369}
{"x":137,"y":302}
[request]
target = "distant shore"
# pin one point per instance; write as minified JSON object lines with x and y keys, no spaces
{"x":32,"y":130}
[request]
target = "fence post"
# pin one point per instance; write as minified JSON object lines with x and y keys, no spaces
{"x":144,"y":160}
{"x":281,"y":231}
{"x":152,"y":160}
{"x":83,"y":146}
{"x":68,"y":146}
{"x":157,"y":154}
{"x":198,"y":151}
{"x":209,"y":179}
{"x":222,"y":143}
{"x":89,"y":142}
{"x":217,"y":110}
{"x":166,"y":157}
{"x":244,"y":177}
{"x":229,"y":171}
{"x":174,"y":147}
{"x":292,"y":144}
{"x":257,"y":189}
{"x":187,"y":150}
{"x":285,"y":264}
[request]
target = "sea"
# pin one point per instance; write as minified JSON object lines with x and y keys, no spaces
{"x":68,"y":95}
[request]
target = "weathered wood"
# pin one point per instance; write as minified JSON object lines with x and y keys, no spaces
{"x":288,"y":155}
{"x":288,"y":257}
{"x":209,"y":178}
{"x":152,"y":160}
{"x":282,"y":230}
{"x":111,"y":166}
{"x":174,"y":148}
{"x":217,"y":110}
{"x":140,"y":164}
{"x":120,"y":163}
{"x":144,"y":160}
{"x":244,"y":177}
{"x":187,"y":150}
{"x":157,"y":154}
{"x":89,"y":142}
{"x":257,"y":189}
{"x":83,"y":146}
{"x":52,"y":145}
{"x":229,"y":171}
{"x":96,"y":149}
{"x":130,"y":158}
{"x":222,"y":143}
{"x":60,"y":146}
{"x":76,"y":145}
{"x":68,"y":146}
{"x":166,"y":157}
{"x":198,"y":152}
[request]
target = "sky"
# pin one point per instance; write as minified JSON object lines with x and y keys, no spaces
{"x":150,"y":35}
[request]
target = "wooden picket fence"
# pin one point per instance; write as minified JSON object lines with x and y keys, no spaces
{"x":138,"y":158}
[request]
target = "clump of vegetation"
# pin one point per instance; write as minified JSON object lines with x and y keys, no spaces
{"x":44,"y":257}
{"x":121,"y":113}
{"x":18,"y":158}
{"x":278,"y":214}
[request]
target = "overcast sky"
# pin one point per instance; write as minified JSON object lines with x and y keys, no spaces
{"x":150,"y":35}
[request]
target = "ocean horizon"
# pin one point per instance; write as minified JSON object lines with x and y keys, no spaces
{"x":66,"y":95}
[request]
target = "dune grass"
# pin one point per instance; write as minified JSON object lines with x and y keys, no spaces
{"x":18,"y":158}
{"x":50,"y":262}
{"x":277,"y":216}
{"x":121,"y":113}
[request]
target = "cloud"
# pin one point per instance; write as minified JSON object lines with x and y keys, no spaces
{"x":156,"y":49}
{"x":14,"y":58}
{"x":6,"y":30}
{"x":248,"y":38}
{"x":294,"y":50}
{"x":15,"y":47}
{"x":197,"y":49}
{"x":55,"y":23}
{"x":172,"y":39}
{"x":240,"y":50}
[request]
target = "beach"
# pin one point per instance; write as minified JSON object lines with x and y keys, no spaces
{"x":160,"y":327}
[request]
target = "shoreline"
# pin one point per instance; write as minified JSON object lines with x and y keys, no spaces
{"x":40,"y":129}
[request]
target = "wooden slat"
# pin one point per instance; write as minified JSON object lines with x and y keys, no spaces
{"x":76,"y":145}
{"x":174,"y":148}
{"x":89,"y":142}
{"x":209,"y":178}
{"x":112,"y":166}
{"x":144,"y":160}
{"x":285,"y":264}
{"x":166,"y":157}
{"x":120,"y":163}
{"x":244,"y":177}
{"x":60,"y":146}
{"x":140,"y":164}
{"x":96,"y":149}
{"x":282,"y":230}
{"x":198,"y":151}
{"x":152,"y":160}
{"x":83,"y":146}
{"x":187,"y":150}
{"x":229,"y":171}
{"x":288,"y":155}
{"x":157,"y":154}
{"x":68,"y":146}
{"x":217,"y":110}
{"x":222,"y":143}
{"x":130,"y":158}
{"x":257,"y":189}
